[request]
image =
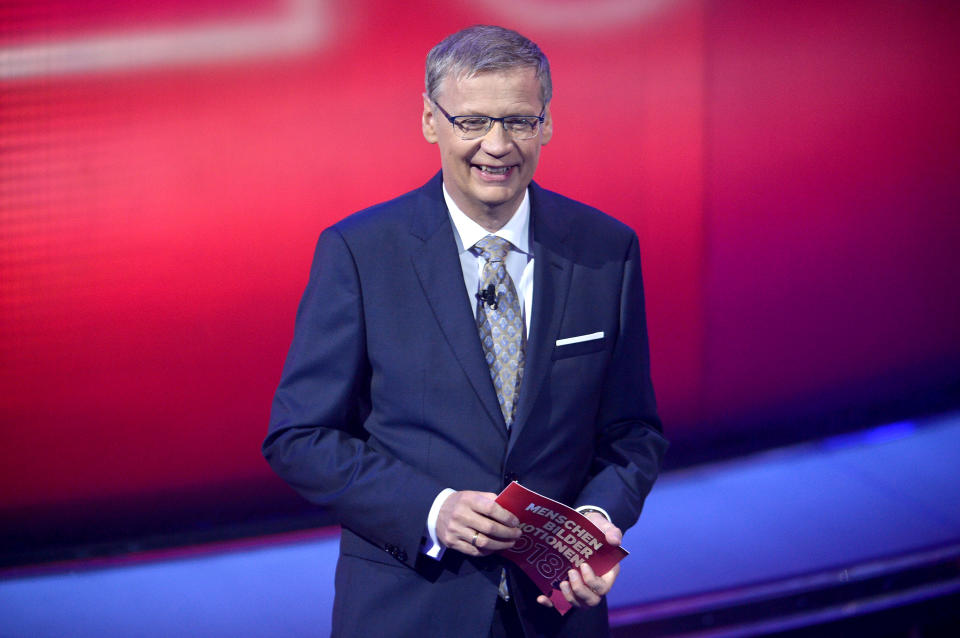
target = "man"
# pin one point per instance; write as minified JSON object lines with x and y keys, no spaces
{"x":475,"y":331}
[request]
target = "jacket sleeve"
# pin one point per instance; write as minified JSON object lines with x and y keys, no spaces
{"x":316,"y":441}
{"x":629,"y":444}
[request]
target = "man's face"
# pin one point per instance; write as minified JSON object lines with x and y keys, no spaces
{"x":473,"y":170}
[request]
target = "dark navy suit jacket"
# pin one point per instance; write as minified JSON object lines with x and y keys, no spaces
{"x":385,"y":399}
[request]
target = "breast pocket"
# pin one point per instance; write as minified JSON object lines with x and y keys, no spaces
{"x":578,"y":345}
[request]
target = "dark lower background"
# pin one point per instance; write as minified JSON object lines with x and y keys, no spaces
{"x":853,"y":535}
{"x":792,"y":169}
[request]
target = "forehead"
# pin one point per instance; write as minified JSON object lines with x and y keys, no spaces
{"x":507,"y":90}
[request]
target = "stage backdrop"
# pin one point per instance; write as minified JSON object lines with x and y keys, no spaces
{"x":793,"y":170}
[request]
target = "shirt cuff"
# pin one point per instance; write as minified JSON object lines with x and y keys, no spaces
{"x":431,"y":545}
{"x":583,"y":509}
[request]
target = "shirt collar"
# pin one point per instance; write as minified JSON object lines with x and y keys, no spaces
{"x":468,"y":232}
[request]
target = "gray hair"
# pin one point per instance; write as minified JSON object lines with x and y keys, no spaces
{"x":483,"y":48}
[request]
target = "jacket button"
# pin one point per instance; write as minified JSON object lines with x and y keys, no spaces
{"x":401,"y":556}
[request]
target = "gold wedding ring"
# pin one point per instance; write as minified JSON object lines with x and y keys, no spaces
{"x":474,"y":541}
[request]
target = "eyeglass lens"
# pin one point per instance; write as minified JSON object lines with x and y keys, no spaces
{"x":519,"y":128}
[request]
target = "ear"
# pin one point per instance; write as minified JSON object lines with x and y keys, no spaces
{"x":546,"y":129}
{"x":429,"y":121}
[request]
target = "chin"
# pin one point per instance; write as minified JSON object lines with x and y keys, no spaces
{"x":496,"y":199}
{"x":497,"y":191}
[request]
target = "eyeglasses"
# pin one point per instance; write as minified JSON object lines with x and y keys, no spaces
{"x":471,"y":127}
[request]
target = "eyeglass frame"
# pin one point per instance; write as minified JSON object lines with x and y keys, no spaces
{"x":491,"y":121}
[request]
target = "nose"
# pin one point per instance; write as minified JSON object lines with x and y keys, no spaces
{"x":497,"y":142}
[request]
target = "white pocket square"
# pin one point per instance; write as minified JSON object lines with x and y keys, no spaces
{"x":590,"y":337}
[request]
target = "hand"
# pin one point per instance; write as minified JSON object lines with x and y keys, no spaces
{"x":475,"y":524}
{"x":583,"y":588}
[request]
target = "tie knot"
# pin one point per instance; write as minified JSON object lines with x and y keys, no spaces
{"x":493,"y":248}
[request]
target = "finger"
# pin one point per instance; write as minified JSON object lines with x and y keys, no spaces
{"x":484,"y":503}
{"x":607,"y":578}
{"x":464,"y":543}
{"x":488,"y":544}
{"x":500,"y":532}
{"x":478,"y":510}
{"x":568,"y":594}
{"x":490,"y":531}
{"x":611,"y":532}
{"x":463,"y":539}
{"x":543,"y":600}
{"x":475,"y":543}
{"x":593,"y":582}
{"x":458,"y":521}
{"x":582,"y":591}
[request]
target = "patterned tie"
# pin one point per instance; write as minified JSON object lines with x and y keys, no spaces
{"x":500,"y":324}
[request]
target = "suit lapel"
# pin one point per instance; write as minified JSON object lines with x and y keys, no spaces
{"x":551,"y":283}
{"x":438,"y":267}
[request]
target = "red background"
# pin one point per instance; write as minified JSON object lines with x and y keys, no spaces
{"x":792,"y":170}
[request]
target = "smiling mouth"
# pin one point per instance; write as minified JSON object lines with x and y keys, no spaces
{"x":495,"y":170}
